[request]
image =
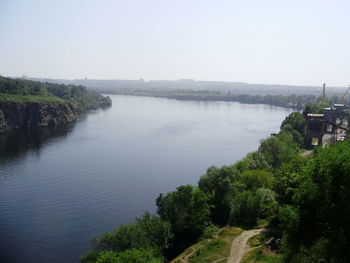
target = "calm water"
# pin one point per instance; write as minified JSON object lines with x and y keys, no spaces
{"x":59,"y":188}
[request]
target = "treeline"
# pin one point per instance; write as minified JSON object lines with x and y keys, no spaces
{"x":290,"y":101}
{"x":78,"y":95}
{"x":308,"y":198}
{"x":298,"y":102}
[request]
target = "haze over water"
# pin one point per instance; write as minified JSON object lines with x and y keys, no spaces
{"x":58,"y":190}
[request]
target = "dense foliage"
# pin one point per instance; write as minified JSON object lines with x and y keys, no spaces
{"x":295,"y":124}
{"x":308,"y":198}
{"x":188,"y":211}
{"x":216,"y":183}
{"x":315,"y":108}
{"x":315,"y":206}
{"x":148,"y":235}
{"x":78,"y":95}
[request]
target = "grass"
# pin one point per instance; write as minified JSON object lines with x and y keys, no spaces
{"x":30,"y":98}
{"x":209,"y":252}
{"x":261,"y":255}
{"x":257,"y":240}
{"x":214,"y":248}
{"x":263,"y":223}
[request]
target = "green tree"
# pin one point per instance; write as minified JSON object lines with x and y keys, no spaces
{"x":129,"y":236}
{"x":129,"y":256}
{"x":188,"y":211}
{"x":287,"y":178}
{"x":157,"y":231}
{"x":218,"y":183}
{"x":278,"y":149}
{"x":297,"y":121}
{"x":295,"y":124}
{"x":253,"y":161}
{"x":148,"y":232}
{"x":316,"y":222}
{"x":315,"y":108}
{"x":254,"y":179}
{"x":245,"y":209}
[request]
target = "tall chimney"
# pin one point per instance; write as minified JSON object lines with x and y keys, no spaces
{"x":324,"y":92}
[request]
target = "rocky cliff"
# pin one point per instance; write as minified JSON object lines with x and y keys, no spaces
{"x":34,"y":114}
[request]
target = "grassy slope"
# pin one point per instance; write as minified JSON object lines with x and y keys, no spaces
{"x":216,"y":248}
{"x":260,"y":254}
{"x":28,"y":98}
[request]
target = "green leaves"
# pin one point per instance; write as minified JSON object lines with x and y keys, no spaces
{"x":129,"y":256}
{"x":254,"y":179}
{"x":78,"y":95}
{"x":157,"y":231}
{"x":316,"y":216}
{"x":148,"y":237}
{"x":278,"y":149}
{"x":188,"y":211}
{"x":218,"y":184}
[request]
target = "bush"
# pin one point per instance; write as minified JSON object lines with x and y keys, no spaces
{"x":129,"y":256}
{"x":209,"y":231}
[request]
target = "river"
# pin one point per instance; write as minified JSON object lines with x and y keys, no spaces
{"x":58,"y":188}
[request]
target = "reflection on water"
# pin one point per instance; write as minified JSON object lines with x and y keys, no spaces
{"x":21,"y":141}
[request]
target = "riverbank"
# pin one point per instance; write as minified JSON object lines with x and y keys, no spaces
{"x":34,"y":112}
{"x":296,"y":102}
{"x":32,"y":104}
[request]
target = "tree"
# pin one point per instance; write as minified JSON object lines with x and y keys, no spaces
{"x":297,"y":121}
{"x":314,"y":108}
{"x":218,"y":183}
{"x":129,"y":236}
{"x":188,"y":211}
{"x":287,"y":178}
{"x":278,"y":149}
{"x":295,"y":124}
{"x":157,"y":231}
{"x":129,"y":256}
{"x":253,"y":161}
{"x":245,"y":209}
{"x":147,"y":233}
{"x":316,"y":220}
{"x":254,"y":179}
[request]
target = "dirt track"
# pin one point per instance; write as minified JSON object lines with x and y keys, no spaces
{"x":239,"y":245}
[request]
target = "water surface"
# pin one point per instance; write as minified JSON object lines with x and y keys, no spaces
{"x":58,"y":188}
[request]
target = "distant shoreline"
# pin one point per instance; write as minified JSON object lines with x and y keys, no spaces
{"x":292,"y":101}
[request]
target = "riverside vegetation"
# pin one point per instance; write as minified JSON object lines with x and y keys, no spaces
{"x":307,"y":198}
{"x":294,"y":101}
{"x":32,"y":104}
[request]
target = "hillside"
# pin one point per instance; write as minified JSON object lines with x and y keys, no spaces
{"x":32,"y":104}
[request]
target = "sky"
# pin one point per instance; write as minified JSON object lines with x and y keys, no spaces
{"x":301,"y":42}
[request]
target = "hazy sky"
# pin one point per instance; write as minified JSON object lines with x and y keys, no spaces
{"x":255,"y":41}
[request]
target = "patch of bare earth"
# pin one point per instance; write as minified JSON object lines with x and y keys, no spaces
{"x":239,"y":245}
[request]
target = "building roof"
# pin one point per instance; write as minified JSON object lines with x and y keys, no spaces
{"x":315,"y":115}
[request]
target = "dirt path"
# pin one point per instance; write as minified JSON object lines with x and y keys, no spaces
{"x":239,"y":245}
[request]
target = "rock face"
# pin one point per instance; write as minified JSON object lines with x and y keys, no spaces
{"x":33,"y":114}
